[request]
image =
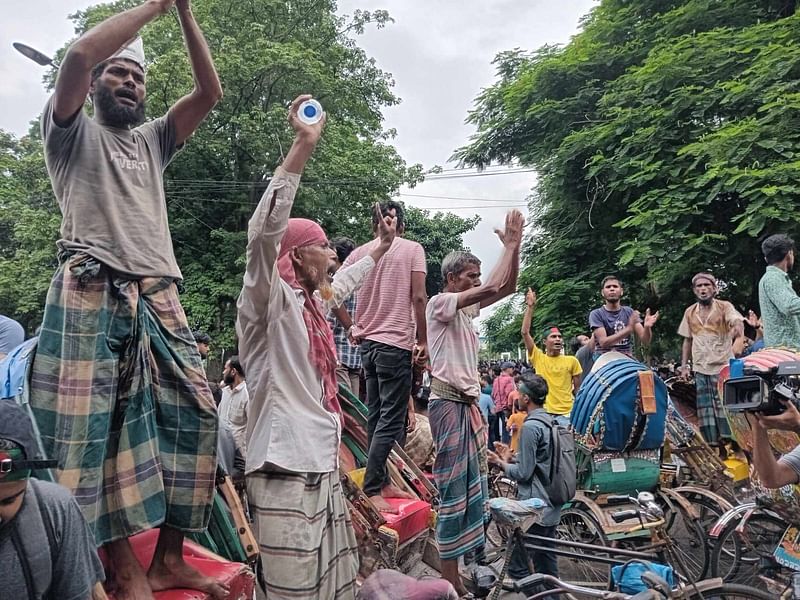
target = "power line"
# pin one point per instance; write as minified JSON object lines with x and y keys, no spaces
{"x":247,"y":184}
{"x":459,"y":198}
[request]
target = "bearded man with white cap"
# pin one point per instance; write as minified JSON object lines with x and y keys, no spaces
{"x":118,"y":389}
{"x":708,"y":328}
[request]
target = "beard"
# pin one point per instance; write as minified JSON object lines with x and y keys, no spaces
{"x":706,"y":301}
{"x":115,"y":114}
{"x":229,"y":379}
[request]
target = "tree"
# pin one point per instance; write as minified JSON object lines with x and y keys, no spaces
{"x":666,"y":140}
{"x":267,"y":52}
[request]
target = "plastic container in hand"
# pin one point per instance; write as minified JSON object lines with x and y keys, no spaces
{"x":310,"y":112}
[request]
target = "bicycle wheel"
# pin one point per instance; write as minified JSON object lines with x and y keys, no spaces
{"x":689,"y":548}
{"x":729,"y":591}
{"x":752,"y":552}
{"x":578,"y":525}
{"x":495,"y":536}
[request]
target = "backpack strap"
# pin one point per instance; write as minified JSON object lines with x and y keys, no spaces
{"x":552,"y":424}
{"x":24,"y":561}
{"x":51,"y":536}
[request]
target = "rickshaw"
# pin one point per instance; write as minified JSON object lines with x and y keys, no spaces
{"x":398,"y":541}
{"x":758,"y":542}
{"x":620,"y":419}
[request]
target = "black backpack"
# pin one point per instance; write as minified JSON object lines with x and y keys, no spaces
{"x":561,"y":481}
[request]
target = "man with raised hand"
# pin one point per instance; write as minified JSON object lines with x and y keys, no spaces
{"x":118,"y":389}
{"x":460,"y":468}
{"x":294,"y":421}
{"x":561,"y":372}
{"x":390,"y":327}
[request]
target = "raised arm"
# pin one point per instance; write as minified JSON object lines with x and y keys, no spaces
{"x":270,"y":219}
{"x":348,"y":279}
{"x":502,"y":281}
{"x":530,"y":306}
{"x":503,"y":278}
{"x":189,"y":111}
{"x":93,"y":47}
{"x":644,"y":330}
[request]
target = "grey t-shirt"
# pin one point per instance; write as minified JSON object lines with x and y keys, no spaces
{"x":612,"y":321}
{"x":11,"y":334}
{"x":77,"y":568}
{"x":793,"y":460}
{"x":109,"y":186}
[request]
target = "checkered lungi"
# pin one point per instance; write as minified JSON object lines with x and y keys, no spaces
{"x":307,"y":543}
{"x":122,"y":402}
{"x":711,"y":416}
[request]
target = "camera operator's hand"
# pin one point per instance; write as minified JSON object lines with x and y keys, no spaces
{"x":788,"y":420}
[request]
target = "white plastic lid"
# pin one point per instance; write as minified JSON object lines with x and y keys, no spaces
{"x":310,"y":112}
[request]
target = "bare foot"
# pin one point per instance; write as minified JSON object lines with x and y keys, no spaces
{"x":173,"y":574}
{"x":127,"y":578}
{"x":134,"y":588}
{"x":391,"y":491}
{"x":381,"y":505}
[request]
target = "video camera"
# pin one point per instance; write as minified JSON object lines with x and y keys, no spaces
{"x":763,"y":391}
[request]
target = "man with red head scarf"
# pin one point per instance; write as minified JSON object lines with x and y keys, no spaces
{"x":301,"y":520}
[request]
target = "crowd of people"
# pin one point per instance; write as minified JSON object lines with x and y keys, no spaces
{"x":125,"y":414}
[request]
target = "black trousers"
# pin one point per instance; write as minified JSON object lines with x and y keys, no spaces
{"x":543,"y":562}
{"x":387,"y":371}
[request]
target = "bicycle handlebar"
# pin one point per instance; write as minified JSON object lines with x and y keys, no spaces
{"x":538,"y":579}
{"x":624,"y":515}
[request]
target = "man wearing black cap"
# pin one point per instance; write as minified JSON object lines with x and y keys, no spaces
{"x":44,"y":540}
{"x":708,"y":328}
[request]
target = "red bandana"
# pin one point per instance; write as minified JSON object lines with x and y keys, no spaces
{"x":322,"y":352}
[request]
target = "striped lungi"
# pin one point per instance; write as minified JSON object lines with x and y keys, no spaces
{"x":710,"y":414}
{"x":307,"y":544}
{"x":122,"y":402}
{"x":460,"y":475}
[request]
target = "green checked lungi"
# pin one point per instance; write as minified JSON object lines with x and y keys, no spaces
{"x":713,"y":421}
{"x":122,"y":402}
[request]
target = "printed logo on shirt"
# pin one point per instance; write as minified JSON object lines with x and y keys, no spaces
{"x":128,"y":161}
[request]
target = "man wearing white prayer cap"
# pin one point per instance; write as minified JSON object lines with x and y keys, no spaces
{"x":118,"y":388}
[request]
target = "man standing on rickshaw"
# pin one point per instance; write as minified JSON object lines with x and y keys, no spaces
{"x":118,"y":389}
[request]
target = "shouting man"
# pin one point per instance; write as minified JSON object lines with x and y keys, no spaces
{"x":118,"y":389}
{"x":708,"y":328}
{"x":561,"y":372}
{"x":294,"y":421}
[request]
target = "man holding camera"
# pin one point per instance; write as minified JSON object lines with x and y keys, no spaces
{"x":772,"y":472}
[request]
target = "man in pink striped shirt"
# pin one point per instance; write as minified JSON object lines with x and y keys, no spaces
{"x":390,"y":326}
{"x":501,"y":388}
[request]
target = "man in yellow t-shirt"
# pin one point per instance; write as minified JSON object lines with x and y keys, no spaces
{"x":561,"y":372}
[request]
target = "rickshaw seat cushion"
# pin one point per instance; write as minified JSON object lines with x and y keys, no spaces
{"x":412,"y":517}
{"x":237,"y":576}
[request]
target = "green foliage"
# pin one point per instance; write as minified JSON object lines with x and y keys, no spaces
{"x":266,"y":52}
{"x":666,"y":139}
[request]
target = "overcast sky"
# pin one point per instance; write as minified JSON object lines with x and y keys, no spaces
{"x":438,"y":52}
